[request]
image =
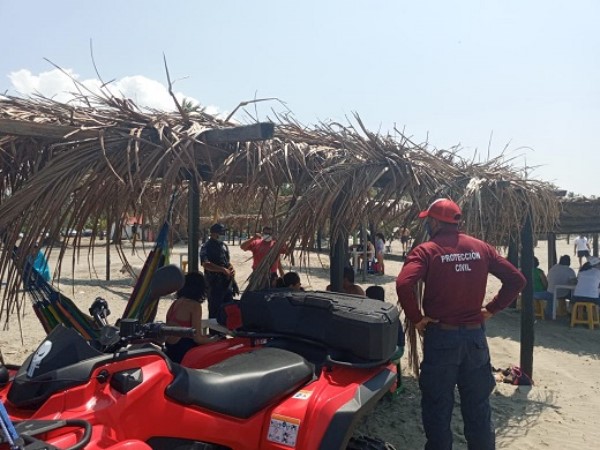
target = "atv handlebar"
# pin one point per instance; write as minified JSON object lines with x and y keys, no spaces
{"x":168,"y":330}
{"x":132,"y":329}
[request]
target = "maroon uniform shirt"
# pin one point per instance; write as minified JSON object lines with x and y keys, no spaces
{"x":455,"y":267}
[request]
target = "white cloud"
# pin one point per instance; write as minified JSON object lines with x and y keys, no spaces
{"x":145,"y":92}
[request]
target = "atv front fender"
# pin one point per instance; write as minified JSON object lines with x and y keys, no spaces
{"x":347,"y":417}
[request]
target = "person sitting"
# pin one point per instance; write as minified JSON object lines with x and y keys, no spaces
{"x":558,"y":274}
{"x":375,"y":292}
{"x":290,"y":280}
{"x":588,"y":282}
{"x":348,"y":285}
{"x":540,"y":286}
{"x":186,"y":311}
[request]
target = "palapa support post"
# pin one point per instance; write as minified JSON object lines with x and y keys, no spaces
{"x":595,"y":244}
{"x":552,"y":259}
{"x":363,"y":237}
{"x":320,"y":240}
{"x":108,"y":240}
{"x":527,"y":319}
{"x":193,"y":222}
{"x":336,"y":272}
{"x":337,"y":252}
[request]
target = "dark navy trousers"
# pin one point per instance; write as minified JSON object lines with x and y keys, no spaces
{"x":217,"y":296}
{"x":456,"y":358}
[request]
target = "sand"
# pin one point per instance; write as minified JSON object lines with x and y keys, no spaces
{"x":561,"y":411}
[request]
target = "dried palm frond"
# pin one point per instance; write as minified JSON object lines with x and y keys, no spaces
{"x":67,"y":166}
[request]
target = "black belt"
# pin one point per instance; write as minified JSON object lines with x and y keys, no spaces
{"x":463,"y":326}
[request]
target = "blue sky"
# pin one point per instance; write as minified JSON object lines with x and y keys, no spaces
{"x":485,"y":75}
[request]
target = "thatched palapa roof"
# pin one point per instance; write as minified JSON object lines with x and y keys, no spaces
{"x":66,"y":165}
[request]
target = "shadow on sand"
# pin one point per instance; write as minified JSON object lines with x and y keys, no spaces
{"x":551,"y":334}
{"x":397,"y":418}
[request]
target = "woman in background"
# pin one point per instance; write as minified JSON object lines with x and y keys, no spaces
{"x":379,"y":250}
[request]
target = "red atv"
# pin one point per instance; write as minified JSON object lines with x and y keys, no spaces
{"x":259,"y":390}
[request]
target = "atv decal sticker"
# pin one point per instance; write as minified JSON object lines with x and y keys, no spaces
{"x":40,"y":354}
{"x":302,"y":395}
{"x":283,"y":430}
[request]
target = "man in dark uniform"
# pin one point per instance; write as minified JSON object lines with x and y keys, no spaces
{"x":218,"y":271}
{"x":455,"y":267}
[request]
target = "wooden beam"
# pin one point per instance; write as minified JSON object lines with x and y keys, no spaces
{"x":43,"y":130}
{"x":255,"y":132}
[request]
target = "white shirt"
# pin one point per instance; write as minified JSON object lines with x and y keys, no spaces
{"x":559,"y":274}
{"x":588,"y":282}
{"x":581,"y":244}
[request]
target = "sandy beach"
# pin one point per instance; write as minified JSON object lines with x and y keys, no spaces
{"x":560,"y":412}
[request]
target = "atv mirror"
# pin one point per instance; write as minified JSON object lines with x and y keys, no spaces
{"x":166,"y":280}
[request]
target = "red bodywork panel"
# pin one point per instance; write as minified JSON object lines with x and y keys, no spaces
{"x":127,"y":421}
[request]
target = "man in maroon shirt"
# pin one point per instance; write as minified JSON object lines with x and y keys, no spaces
{"x":455,"y":267}
{"x":260,"y":245}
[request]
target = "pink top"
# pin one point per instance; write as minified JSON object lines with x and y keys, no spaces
{"x":172,"y":316}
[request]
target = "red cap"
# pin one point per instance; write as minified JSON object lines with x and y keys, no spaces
{"x":444,"y":210}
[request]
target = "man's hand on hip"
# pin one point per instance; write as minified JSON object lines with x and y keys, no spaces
{"x":423,"y":323}
{"x":485,"y":313}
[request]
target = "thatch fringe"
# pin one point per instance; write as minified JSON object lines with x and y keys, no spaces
{"x":69,"y":166}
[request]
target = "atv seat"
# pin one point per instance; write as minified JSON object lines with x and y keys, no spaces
{"x":243,"y":384}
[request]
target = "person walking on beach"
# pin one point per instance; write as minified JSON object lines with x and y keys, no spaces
{"x":404,"y":238}
{"x":218,"y":271}
{"x":260,"y":245}
{"x":454,"y":268}
{"x":581,"y":248}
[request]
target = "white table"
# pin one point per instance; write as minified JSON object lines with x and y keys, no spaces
{"x":569,"y":287}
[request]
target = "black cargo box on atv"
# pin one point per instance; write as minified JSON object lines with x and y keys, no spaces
{"x":365,"y":328}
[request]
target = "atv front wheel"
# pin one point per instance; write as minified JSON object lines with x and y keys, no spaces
{"x":368,"y":443}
